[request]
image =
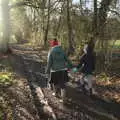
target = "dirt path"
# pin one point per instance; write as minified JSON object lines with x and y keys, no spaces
{"x":30,"y":64}
{"x":16,"y":101}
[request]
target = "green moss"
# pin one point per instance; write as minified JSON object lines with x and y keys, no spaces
{"x":6,"y":72}
{"x":103,"y":77}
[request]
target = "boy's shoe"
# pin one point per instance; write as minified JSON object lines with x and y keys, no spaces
{"x":94,"y":92}
{"x":61,"y":100}
{"x":91,"y":91}
{"x":79,"y":89}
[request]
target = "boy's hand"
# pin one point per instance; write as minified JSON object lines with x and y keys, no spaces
{"x":74,"y":69}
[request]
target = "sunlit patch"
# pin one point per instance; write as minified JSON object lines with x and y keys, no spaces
{"x":0,"y":12}
{"x":0,"y":19}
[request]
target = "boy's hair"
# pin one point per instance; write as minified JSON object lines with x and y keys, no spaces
{"x":55,"y":39}
{"x":91,"y":45}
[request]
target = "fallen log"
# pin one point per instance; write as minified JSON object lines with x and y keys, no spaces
{"x":46,"y":107}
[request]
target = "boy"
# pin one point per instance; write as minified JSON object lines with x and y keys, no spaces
{"x":87,"y":67}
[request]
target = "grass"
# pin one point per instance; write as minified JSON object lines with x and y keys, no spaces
{"x":6,"y":80}
{"x":6,"y":74}
{"x":117,"y":44}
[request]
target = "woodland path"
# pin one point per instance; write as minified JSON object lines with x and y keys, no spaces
{"x":30,"y":64}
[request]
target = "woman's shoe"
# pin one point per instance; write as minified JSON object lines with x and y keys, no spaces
{"x":53,"y":94}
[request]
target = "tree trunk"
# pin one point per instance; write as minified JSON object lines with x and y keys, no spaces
{"x":95,"y":21}
{"x":81,"y":8}
{"x":102,"y":16}
{"x":70,"y":32}
{"x":58,"y":26}
{"x":47,"y":26}
{"x":6,"y":26}
{"x":60,"y":19}
{"x":43,"y":21}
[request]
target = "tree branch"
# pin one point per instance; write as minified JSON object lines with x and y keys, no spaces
{"x":19,"y":4}
{"x":113,"y":11}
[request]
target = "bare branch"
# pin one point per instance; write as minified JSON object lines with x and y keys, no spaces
{"x":113,"y":11}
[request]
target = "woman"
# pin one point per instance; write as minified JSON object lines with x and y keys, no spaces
{"x":57,"y":65}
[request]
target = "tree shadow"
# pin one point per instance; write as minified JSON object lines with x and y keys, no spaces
{"x":30,"y":69}
{"x":94,"y":101}
{"x":27,"y":68}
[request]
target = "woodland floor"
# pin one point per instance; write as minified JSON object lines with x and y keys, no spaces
{"x":18,"y":100}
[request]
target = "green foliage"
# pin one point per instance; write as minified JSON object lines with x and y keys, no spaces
{"x":1,"y":114}
{"x":103,"y":77}
{"x":20,"y":24}
{"x":117,"y":44}
{"x":6,"y":78}
{"x":6,"y":73}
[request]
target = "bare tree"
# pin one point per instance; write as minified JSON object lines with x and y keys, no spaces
{"x":70,"y":32}
{"x":6,"y":26}
{"x":81,"y":7}
{"x":47,"y":24}
{"x":102,"y":17}
{"x":95,"y":20}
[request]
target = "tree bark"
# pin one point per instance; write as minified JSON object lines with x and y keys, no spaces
{"x":6,"y":26}
{"x":81,"y":8}
{"x":47,"y":26}
{"x":70,"y":32}
{"x":60,"y":19}
{"x":102,"y":17}
{"x":95,"y":21}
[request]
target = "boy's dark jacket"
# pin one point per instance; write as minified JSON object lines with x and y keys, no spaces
{"x":87,"y":63}
{"x":57,"y":60}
